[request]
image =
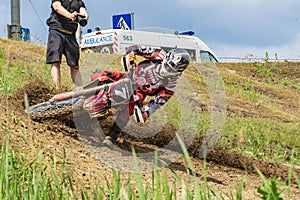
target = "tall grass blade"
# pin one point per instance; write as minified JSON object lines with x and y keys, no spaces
{"x":138,"y":176}
{"x":197,"y":190}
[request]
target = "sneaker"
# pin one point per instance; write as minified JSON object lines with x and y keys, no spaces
{"x":108,"y":142}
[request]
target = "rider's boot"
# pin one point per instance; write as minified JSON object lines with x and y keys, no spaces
{"x":110,"y":139}
{"x":116,"y":129}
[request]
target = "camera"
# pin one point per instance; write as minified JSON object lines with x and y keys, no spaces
{"x":81,"y":20}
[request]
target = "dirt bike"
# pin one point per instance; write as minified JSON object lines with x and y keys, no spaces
{"x":97,"y":98}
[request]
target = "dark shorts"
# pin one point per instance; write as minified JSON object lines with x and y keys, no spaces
{"x":62,"y":44}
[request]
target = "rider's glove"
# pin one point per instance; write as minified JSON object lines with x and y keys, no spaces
{"x":131,"y":56}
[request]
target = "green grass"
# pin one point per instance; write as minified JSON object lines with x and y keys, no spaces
{"x":273,"y":189}
{"x":44,"y":177}
{"x":244,"y":90}
{"x":288,"y":83}
{"x":262,"y":138}
{"x":267,"y":68}
{"x":19,"y":73}
{"x":38,"y":178}
{"x":23,"y":178}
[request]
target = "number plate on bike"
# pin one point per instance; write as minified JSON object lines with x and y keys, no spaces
{"x":121,"y":92}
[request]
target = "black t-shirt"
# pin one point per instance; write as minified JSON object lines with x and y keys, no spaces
{"x":61,"y":23}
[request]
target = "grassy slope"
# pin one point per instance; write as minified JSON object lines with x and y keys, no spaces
{"x":263,"y":99}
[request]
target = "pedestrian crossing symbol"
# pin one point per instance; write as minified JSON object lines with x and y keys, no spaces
{"x":124,"y":21}
{"x":122,"y":24}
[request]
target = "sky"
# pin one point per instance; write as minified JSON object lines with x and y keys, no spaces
{"x":232,"y":28}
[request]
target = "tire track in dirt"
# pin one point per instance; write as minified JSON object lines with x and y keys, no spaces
{"x":225,"y":170}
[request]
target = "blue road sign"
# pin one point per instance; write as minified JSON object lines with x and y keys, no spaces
{"x":25,"y":34}
{"x":123,"y":21}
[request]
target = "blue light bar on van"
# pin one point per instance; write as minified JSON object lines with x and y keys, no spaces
{"x":187,"y":33}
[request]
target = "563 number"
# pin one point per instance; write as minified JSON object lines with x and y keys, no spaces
{"x":127,"y":38}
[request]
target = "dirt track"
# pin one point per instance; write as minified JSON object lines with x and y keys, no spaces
{"x":226,"y":172}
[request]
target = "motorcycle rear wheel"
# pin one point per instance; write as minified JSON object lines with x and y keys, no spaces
{"x":54,"y":110}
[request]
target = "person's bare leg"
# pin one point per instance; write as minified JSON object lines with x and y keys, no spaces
{"x":55,"y":74}
{"x":76,"y":75}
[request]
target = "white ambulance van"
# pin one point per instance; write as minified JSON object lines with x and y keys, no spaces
{"x":115,"y":41}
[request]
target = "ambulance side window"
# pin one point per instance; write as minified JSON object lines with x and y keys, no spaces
{"x":207,"y":57}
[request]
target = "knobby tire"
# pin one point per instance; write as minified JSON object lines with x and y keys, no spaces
{"x":53,"y":111}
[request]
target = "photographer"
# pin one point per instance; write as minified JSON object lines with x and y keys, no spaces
{"x":63,"y":24}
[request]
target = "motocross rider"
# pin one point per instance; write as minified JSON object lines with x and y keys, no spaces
{"x":158,"y":80}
